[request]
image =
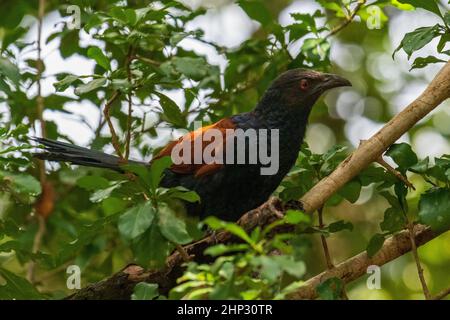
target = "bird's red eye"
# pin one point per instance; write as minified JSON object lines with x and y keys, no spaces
{"x":304,"y":84}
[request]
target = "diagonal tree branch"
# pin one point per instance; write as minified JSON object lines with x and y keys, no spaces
{"x":356,"y":267}
{"x":120,"y":285}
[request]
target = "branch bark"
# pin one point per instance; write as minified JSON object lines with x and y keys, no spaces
{"x":120,"y":285}
{"x":356,"y":266}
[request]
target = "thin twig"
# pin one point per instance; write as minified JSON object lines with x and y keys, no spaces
{"x":106,"y":110}
{"x":389,"y":168}
{"x":326,"y":251}
{"x":147,"y":60}
{"x":37,"y":242}
{"x":347,"y":21}
{"x":423,"y":282}
{"x":129,"y":59}
{"x":442,"y":294}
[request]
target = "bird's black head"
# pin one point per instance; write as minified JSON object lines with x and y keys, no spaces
{"x":295,"y":91}
{"x":299,"y":88}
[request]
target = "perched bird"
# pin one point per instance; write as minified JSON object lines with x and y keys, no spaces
{"x":228,"y":190}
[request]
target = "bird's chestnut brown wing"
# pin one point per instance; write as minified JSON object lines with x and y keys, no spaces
{"x":203,"y":168}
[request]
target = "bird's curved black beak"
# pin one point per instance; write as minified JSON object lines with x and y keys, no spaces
{"x":333,"y":81}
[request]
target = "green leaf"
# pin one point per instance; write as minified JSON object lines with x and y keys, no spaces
{"x":394,"y":220}
{"x":172,"y":113}
{"x":97,"y":54}
{"x":136,"y":220}
{"x":151,"y":247}
{"x":131,"y":16}
{"x":421,"y":166}
{"x":434,"y":208}
{"x":375,"y":244}
{"x":91,"y":85}
{"x":12,"y":35}
{"x":9,"y":70}
{"x":289,"y":265}
{"x":186,"y":195}
{"x":145,"y":291}
{"x":113,"y":205}
{"x":256,"y":10}
{"x":423,"y":62}
{"x":417,"y":39}
{"x":143,"y":172}
{"x":17,"y":288}
{"x":429,"y":5}
{"x":403,"y":155}
{"x":21,"y":182}
{"x":445,"y":38}
{"x":330,"y":289}
{"x":216,"y":224}
{"x":339,"y":226}
{"x":194,"y":68}
{"x":100,"y":195}
{"x":447,"y":18}
{"x":351,"y":191}
{"x":172,"y":227}
{"x":93,"y":183}
{"x":65,"y":82}
{"x":221,"y":249}
{"x":296,"y":217}
{"x":269,"y":267}
{"x":157,"y":170}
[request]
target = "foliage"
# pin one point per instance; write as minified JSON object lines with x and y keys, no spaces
{"x":103,"y":220}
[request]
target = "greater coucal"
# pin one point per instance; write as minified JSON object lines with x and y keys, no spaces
{"x":229,"y":190}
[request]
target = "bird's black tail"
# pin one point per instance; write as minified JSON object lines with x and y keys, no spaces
{"x":61,"y":151}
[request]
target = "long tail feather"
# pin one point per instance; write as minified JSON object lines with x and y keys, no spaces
{"x":66,"y":152}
